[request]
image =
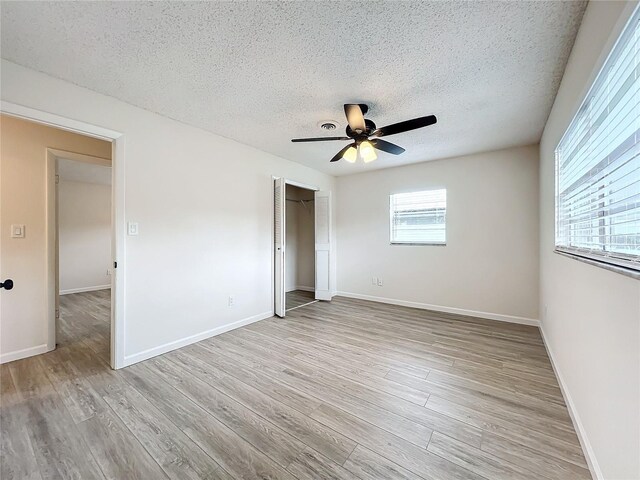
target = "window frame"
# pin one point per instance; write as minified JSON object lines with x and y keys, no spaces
{"x":417,"y":243}
{"x":628,"y":265}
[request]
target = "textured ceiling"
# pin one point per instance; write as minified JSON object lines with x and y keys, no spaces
{"x":265,"y":72}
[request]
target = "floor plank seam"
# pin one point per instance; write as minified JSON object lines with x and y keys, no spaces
{"x":300,"y":306}
{"x":350,"y":454}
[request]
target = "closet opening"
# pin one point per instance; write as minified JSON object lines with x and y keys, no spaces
{"x":300,"y":247}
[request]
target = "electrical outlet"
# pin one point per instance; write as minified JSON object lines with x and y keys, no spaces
{"x":379,"y":282}
{"x":231,"y":301}
{"x":374,"y":280}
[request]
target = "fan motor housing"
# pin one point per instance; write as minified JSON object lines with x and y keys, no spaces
{"x":362,"y":136}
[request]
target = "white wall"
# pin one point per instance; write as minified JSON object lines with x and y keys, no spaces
{"x":592,"y":319}
{"x":204,"y":205}
{"x":84,"y":226}
{"x":489,"y":266}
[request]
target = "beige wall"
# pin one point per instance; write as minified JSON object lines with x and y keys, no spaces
{"x":305,"y":268}
{"x":489,"y":266}
{"x":23,"y":156}
{"x":84,"y":226}
{"x":291,"y":244}
{"x":591,"y":316}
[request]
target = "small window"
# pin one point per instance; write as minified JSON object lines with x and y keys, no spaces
{"x":598,"y":163}
{"x":419,"y":217}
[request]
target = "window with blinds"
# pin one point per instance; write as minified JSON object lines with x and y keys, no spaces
{"x":598,"y":163}
{"x":419,"y":217}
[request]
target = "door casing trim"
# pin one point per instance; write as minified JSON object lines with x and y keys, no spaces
{"x":118,"y":230}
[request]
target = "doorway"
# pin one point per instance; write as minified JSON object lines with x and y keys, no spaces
{"x":83,"y":252}
{"x":34,"y":143}
{"x":302,"y":245}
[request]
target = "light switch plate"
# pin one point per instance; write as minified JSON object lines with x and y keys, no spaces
{"x":132,"y":228}
{"x":17,"y":231}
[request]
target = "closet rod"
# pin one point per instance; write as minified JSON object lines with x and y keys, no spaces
{"x":301,"y":201}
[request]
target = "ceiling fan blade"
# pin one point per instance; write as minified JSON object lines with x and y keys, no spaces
{"x":387,"y":146}
{"x":319,"y":139}
{"x":405,"y":126}
{"x":339,"y":155}
{"x":355,"y":117}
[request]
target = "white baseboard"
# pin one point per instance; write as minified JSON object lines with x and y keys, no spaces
{"x":299,"y":287}
{"x":305,"y":289}
{"x":439,"y":308}
{"x":84,"y":289}
{"x":24,"y":353}
{"x":590,"y":456}
{"x":183,"y":342}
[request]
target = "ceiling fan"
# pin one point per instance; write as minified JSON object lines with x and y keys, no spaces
{"x":366,"y":136}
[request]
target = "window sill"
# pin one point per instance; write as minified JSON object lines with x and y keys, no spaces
{"x":607,"y":266}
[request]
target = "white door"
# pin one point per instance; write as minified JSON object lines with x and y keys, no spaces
{"x":279,"y":222}
{"x":323,"y":244}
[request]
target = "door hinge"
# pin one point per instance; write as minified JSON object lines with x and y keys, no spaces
{"x":57,"y":179}
{"x":115,"y":264}
{"x":57,"y":313}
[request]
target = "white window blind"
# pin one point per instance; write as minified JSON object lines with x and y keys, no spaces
{"x":598,"y":163}
{"x":419,"y":217}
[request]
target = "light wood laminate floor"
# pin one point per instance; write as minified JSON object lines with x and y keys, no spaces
{"x":342,"y":390}
{"x":298,"y":298}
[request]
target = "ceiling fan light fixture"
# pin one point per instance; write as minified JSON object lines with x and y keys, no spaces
{"x":351,"y":155}
{"x":370,"y":158}
{"x":360,"y":130}
{"x":367,"y":152}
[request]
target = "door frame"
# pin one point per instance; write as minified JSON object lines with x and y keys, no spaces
{"x":293,"y":183}
{"x":118,"y":232}
{"x":53,"y":228}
